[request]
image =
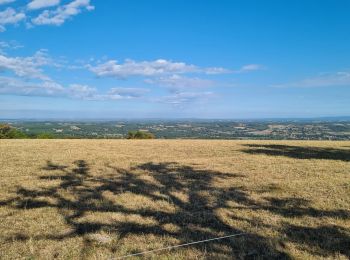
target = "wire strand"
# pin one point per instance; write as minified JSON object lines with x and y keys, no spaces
{"x":177,"y":246}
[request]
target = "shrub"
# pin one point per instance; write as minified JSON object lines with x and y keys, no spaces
{"x":9,"y":132}
{"x":45,"y":136}
{"x":140,"y":135}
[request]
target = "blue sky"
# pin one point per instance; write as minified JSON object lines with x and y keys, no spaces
{"x":174,"y":59}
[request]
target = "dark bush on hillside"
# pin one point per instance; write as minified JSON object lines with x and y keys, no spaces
{"x":140,"y":135}
{"x":9,"y":132}
{"x":45,"y":136}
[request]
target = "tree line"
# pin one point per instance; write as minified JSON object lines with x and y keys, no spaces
{"x":9,"y":132}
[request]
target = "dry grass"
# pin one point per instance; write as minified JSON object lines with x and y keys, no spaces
{"x":93,"y":199}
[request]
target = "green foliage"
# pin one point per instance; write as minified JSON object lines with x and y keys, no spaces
{"x":45,"y":136}
{"x":9,"y":132}
{"x":4,"y":130}
{"x":140,"y":135}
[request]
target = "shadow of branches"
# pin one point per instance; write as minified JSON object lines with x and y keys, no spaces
{"x":195,"y":217}
{"x":299,"y":152}
{"x":323,"y":240}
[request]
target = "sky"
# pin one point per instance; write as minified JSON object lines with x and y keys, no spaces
{"x":105,"y":59}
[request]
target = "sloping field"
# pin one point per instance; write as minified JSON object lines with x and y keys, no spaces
{"x":102,"y":199}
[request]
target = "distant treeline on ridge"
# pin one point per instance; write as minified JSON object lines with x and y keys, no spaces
{"x":9,"y":132}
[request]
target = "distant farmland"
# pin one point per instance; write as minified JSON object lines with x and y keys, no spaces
{"x":101,"y":199}
{"x":196,"y":129}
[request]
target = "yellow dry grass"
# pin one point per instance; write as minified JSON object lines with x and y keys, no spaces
{"x":101,"y":199}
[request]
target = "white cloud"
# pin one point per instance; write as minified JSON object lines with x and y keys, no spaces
{"x":62,"y":13}
{"x":88,"y":93}
{"x":2,"y":2}
{"x":249,"y":68}
{"x":38,"y":4}
{"x":32,"y":81}
{"x":182,"y":98}
{"x":15,"y":86}
{"x":217,"y":70}
{"x":128,"y":92}
{"x":10,"y":16}
{"x":28,"y":67}
{"x":143,"y":68}
{"x":10,"y":45}
{"x":341,"y":78}
{"x":176,"y":82}
{"x":183,"y":89}
{"x":5,"y":45}
{"x":81,"y":92}
{"x":159,"y":67}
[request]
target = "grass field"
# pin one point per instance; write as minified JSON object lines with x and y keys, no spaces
{"x":101,"y":199}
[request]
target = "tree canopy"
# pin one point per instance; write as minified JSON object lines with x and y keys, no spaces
{"x":140,"y":135}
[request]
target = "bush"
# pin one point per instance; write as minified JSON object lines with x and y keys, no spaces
{"x":140,"y":135}
{"x":45,"y":136}
{"x":9,"y":132}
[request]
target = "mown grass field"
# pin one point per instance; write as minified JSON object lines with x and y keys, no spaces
{"x":101,"y":199}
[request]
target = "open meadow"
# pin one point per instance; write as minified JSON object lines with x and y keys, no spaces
{"x":102,"y":199}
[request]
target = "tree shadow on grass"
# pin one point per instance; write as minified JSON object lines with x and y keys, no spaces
{"x":194,"y":216}
{"x":323,"y":241}
{"x":299,"y":152}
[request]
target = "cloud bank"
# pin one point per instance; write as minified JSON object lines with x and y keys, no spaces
{"x":28,"y":67}
{"x":158,"y":67}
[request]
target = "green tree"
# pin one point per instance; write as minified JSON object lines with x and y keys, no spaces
{"x":45,"y":136}
{"x":9,"y":132}
{"x":140,"y":135}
